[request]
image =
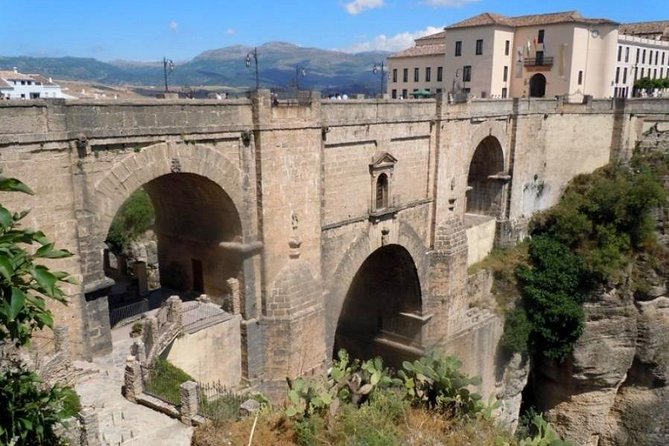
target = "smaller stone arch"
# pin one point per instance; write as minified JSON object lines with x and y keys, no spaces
{"x":538,"y":86}
{"x":486,"y":178}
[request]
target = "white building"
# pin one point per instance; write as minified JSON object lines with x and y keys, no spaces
{"x":15,"y":85}
{"x":420,"y":68}
{"x":643,"y":52}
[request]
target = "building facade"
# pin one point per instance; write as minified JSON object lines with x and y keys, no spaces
{"x":420,"y":68}
{"x":643,"y":52}
{"x":15,"y":85}
{"x":543,"y":55}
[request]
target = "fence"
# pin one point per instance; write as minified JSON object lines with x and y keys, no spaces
{"x":116,"y":315}
{"x":217,"y":402}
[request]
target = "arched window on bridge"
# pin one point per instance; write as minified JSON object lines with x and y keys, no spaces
{"x":382,"y":192}
{"x":381,"y":170}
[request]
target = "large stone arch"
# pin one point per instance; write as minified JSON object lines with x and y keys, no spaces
{"x":137,"y":169}
{"x":362,"y":247}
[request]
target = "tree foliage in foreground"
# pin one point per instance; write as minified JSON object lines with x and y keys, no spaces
{"x":29,"y":409}
{"x":25,"y":284}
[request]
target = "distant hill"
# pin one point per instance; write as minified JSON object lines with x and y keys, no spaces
{"x":326,"y":70}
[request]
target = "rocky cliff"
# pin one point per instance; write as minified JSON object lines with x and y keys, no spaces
{"x":614,"y":390}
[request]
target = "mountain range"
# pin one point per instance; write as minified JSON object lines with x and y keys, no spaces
{"x":278,"y":64}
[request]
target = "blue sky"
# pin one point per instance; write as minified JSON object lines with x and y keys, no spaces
{"x":146,"y":30}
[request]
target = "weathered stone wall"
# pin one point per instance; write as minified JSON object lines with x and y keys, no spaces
{"x":299,"y":180}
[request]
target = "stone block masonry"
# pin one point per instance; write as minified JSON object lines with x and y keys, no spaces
{"x":272,"y":208}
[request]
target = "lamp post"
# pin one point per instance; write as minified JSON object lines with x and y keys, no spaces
{"x":379,"y":67}
{"x":168,"y":68}
{"x":299,"y":72}
{"x":253,"y":55}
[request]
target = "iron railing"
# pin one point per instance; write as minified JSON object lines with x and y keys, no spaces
{"x":217,"y":402}
{"x":539,"y":62}
{"x":118,"y":314}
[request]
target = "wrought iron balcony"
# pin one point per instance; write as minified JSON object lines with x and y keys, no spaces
{"x":539,"y":62}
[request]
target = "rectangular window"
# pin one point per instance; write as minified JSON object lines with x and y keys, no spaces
{"x":458,"y":48}
{"x":428,"y":74}
{"x":625,"y":75}
{"x":506,"y":74}
{"x":580,"y":77}
{"x":663,"y":53}
{"x":439,"y":90}
{"x":620,"y":53}
{"x":657,"y":55}
{"x":416,"y":74}
{"x":504,"y":92}
{"x":404,"y":94}
{"x":467,"y":73}
{"x":540,"y":38}
{"x":627,"y":54}
{"x":638,"y":51}
{"x":394,"y":74}
{"x":440,"y":74}
{"x":654,"y":73}
{"x":642,"y":70}
{"x":540,"y":57}
{"x":643,"y":56}
{"x":394,"y":94}
{"x":617,"y":75}
{"x":479,"y":47}
{"x":405,"y":75}
{"x":507,"y":45}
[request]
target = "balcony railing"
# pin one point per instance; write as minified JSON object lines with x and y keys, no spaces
{"x":539,"y":62}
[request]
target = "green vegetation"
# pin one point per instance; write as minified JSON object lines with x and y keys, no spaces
{"x":30,"y":409}
{"x":165,"y":381}
{"x":362,"y":403}
{"x":599,"y":227}
{"x":647,"y":83}
{"x":135,"y":216}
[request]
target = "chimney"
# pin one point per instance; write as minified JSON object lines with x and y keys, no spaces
{"x":16,"y":70}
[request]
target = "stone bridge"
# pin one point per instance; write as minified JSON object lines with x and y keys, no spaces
{"x":346,"y":223}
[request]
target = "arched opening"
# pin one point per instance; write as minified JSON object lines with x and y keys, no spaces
{"x":485,"y":181}
{"x":538,"y":86}
{"x":180,"y":254}
{"x":381,"y":314}
{"x":382,"y":192}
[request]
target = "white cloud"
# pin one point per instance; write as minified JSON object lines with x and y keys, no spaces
{"x":231,"y":31}
{"x":174,"y":26}
{"x":358,"y":6}
{"x":397,"y":42}
{"x":449,"y":3}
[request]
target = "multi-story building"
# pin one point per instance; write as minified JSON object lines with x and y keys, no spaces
{"x":15,"y":85}
{"x":420,"y":68}
{"x":542,"y":55}
{"x":643,"y":52}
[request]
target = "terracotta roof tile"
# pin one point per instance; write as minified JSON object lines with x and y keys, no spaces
{"x":5,"y":84}
{"x":528,"y":20}
{"x":13,"y":75}
{"x":645,"y":28}
{"x":421,"y":50}
{"x":427,"y":40}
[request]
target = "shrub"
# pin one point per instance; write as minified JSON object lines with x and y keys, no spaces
{"x":437,"y":383}
{"x":133,"y":219}
{"x":165,"y":381}
{"x":31,"y":410}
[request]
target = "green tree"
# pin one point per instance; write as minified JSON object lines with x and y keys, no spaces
{"x":29,"y":409}
{"x":25,"y":284}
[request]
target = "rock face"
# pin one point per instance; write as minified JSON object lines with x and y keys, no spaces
{"x":614,"y":389}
